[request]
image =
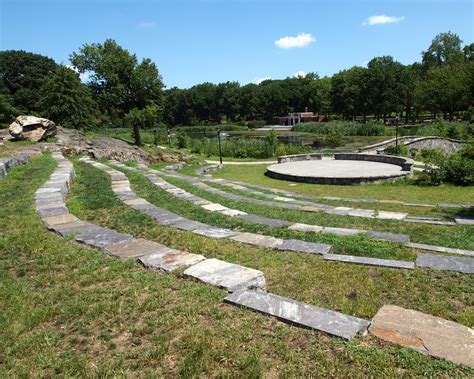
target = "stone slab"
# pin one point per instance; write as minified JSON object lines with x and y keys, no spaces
{"x":61,"y":219}
{"x":138,"y":201}
{"x":343,"y":232}
{"x":429,"y":222}
{"x":384,"y":215}
{"x":50,"y":212}
{"x":370,"y":261}
{"x":368,"y":213}
{"x":69,"y":228}
{"x":229,"y":276}
{"x":134,"y":248}
{"x":440,"y":249}
{"x":312,"y":209}
{"x":386,"y":236}
{"x":101,"y":237}
{"x":265,"y":221}
{"x":306,"y":228}
{"x":444,"y":262}
{"x":189,"y":225}
{"x":213,"y":207}
{"x":169,"y":260}
{"x":464,"y":220}
{"x":233,"y":212}
{"x":425,"y":333}
{"x":294,"y":312}
{"x":258,"y":240}
{"x":214,"y":232}
{"x":305,"y":247}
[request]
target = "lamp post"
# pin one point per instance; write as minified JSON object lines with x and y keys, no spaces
{"x":219,"y":140}
{"x":168,"y":135}
{"x":397,"y":119}
{"x":155,"y":136}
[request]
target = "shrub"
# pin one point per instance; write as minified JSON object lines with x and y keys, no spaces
{"x":182,"y":140}
{"x":401,"y":149}
{"x":335,"y":138}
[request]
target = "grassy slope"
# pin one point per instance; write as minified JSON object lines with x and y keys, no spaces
{"x":458,"y":236}
{"x":69,"y":310}
{"x":387,"y":191}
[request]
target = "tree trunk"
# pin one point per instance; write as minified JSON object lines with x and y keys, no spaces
{"x":136,"y":135}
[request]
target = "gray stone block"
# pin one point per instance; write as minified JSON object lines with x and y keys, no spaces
{"x":444,"y":262}
{"x":169,"y":260}
{"x":189,"y":225}
{"x":101,"y":237}
{"x":231,"y":277}
{"x":385,"y":236}
{"x":295,"y":312}
{"x":344,"y":232}
{"x":265,"y":221}
{"x":257,"y":240}
{"x":370,"y":261}
{"x":440,"y":249}
{"x":134,"y":248}
{"x":304,"y":247}
{"x":68,"y":229}
{"x":214,"y":232}
{"x":368,"y":213}
{"x":49,"y":212}
{"x":464,"y":220}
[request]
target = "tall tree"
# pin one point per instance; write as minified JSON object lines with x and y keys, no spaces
{"x":67,"y":101}
{"x":119,"y":83}
{"x":445,"y":49}
{"x":21,"y":75}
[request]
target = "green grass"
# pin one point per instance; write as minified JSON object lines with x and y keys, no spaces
{"x":68,"y":310}
{"x":385,"y":191}
{"x":459,"y":236}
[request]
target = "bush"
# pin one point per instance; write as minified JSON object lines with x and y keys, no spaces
{"x":456,"y":169}
{"x":182,"y":140}
{"x":335,"y":138}
{"x":401,"y":149}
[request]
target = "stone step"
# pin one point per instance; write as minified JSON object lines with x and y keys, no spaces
{"x":440,"y":249}
{"x":168,"y":260}
{"x":258,"y":240}
{"x":215,"y":232}
{"x":133,"y":248}
{"x":305,"y":247}
{"x":229,"y":276}
{"x":301,"y":314}
{"x":370,"y":261}
{"x":444,"y":262}
{"x":425,"y":333}
{"x":101,"y":237}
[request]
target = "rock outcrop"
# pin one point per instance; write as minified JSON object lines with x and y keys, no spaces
{"x":32,"y":128}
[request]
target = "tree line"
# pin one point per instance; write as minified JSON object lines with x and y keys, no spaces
{"x":120,"y":90}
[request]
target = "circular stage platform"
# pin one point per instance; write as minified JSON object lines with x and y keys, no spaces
{"x":332,"y":171}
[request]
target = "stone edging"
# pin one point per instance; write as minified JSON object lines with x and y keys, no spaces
{"x":299,"y":157}
{"x":7,"y":163}
{"x":405,"y":163}
{"x":236,"y":279}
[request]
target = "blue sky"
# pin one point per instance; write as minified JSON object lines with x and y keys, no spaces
{"x":193,"y":41}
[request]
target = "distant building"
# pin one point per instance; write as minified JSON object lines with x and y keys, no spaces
{"x":299,"y":117}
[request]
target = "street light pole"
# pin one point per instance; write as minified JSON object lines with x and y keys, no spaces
{"x":220,"y":149}
{"x":168,"y":134}
{"x":397,"y":119}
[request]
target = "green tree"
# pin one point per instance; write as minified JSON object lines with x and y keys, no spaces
{"x":21,"y":75}
{"x":272,"y":139}
{"x":445,"y":49}
{"x":67,"y":101}
{"x":120,"y":84}
{"x":7,"y":111}
{"x":141,"y":118}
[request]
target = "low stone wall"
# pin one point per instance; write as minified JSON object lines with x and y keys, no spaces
{"x":7,"y":163}
{"x":299,"y":157}
{"x":405,"y":163}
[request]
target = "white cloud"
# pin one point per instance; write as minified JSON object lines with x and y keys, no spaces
{"x":259,"y":80}
{"x":300,"y":74}
{"x":382,"y":19}
{"x":146,"y":25}
{"x":301,"y":40}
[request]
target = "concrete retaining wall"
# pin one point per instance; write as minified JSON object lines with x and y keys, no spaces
{"x":405,"y":163}
{"x":299,"y":157}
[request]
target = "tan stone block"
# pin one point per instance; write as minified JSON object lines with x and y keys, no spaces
{"x":136,"y":202}
{"x":61,"y":219}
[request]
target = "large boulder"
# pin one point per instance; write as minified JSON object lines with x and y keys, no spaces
{"x":32,"y":128}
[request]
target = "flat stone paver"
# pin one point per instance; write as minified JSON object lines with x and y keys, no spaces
{"x":233,"y":212}
{"x":258,"y":240}
{"x":342,"y":231}
{"x":189,"y":225}
{"x":444,"y":262}
{"x":101,"y":237}
{"x":464,"y":220}
{"x":294,"y":312}
{"x":169,"y":260}
{"x":69,"y":228}
{"x":134,"y":248}
{"x":214,"y":232}
{"x":384,"y":215}
{"x":137,"y":201}
{"x":440,"y":249}
{"x":386,"y":236}
{"x":304,"y":247}
{"x":370,"y":261}
{"x":306,"y":228}
{"x":368,"y":213}
{"x":213,"y":207}
{"x":265,"y":221}
{"x":61,"y":219}
{"x":50,"y":212}
{"x":425,"y":333}
{"x":229,"y":276}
